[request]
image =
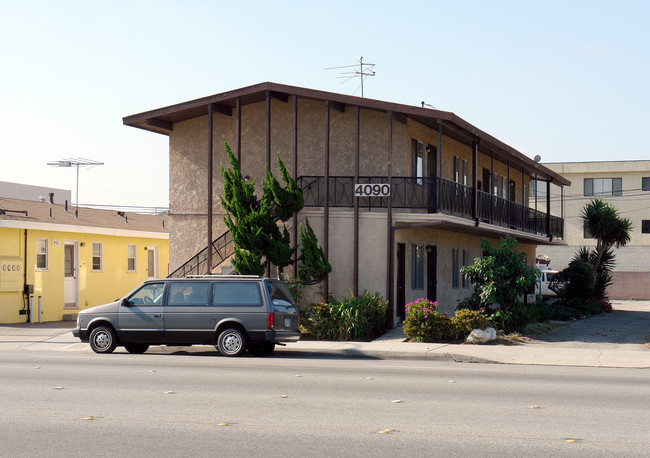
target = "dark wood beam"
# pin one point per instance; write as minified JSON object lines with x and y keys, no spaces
{"x":337,"y":106}
{"x":221,"y":109}
{"x":399,"y":117}
{"x":281,"y":96}
{"x":160,"y":124}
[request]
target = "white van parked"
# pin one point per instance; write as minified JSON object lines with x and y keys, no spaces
{"x":544,"y":277}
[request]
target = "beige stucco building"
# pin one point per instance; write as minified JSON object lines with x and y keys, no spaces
{"x":626,"y":185}
{"x":429,"y":186}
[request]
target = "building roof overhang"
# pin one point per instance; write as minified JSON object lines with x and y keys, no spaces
{"x":465,"y":226}
{"x":162,"y":120}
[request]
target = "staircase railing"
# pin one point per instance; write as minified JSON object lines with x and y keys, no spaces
{"x":222,"y":249}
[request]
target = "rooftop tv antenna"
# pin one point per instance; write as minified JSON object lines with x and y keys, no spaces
{"x":362,"y":71}
{"x":76,"y":162}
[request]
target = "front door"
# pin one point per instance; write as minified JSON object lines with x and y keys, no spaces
{"x":152,"y":262}
{"x":432,"y":272}
{"x":401,"y":281}
{"x":70,"y":274}
{"x":141,"y":318}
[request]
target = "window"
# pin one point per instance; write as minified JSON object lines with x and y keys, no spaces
{"x":189,"y":293}
{"x":537,"y":187}
{"x":97,"y":256}
{"x":41,"y":254}
{"x":603,"y":186}
{"x":465,"y":263}
{"x":455,"y":268}
{"x":645,"y":184}
{"x":130,"y":258}
{"x":645,"y":226}
{"x":417,"y":151}
{"x":149,"y":294}
{"x":460,"y":171}
{"x":586,"y":234}
{"x":237,"y":293}
{"x":417,"y":266}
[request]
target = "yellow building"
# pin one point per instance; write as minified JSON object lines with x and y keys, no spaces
{"x":66,"y":263}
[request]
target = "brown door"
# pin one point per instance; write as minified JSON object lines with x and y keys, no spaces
{"x":401,"y":281}
{"x":432,"y":272}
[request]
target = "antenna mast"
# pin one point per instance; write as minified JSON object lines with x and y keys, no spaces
{"x":361,"y":73}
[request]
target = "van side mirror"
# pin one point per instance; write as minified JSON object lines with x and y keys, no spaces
{"x":125,"y":302}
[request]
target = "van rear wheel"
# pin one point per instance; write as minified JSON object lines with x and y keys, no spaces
{"x":231,"y":342}
{"x":261,"y":349}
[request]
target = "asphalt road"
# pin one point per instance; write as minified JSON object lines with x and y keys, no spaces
{"x":80,"y":404}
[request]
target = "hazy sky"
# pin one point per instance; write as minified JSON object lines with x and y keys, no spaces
{"x":567,"y":80}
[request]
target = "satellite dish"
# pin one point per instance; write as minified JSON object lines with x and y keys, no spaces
{"x":537,"y":158}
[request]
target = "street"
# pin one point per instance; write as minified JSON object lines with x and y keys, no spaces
{"x":198,"y":404}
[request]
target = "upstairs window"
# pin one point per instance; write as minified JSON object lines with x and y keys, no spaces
{"x":645,"y":226}
{"x":41,"y":254}
{"x":645,"y":184}
{"x":417,"y":152}
{"x":603,"y":186}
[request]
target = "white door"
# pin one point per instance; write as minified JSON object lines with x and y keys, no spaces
{"x":152,"y":262}
{"x":70,"y":275}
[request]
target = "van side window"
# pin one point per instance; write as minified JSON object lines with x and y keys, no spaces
{"x":236,"y":293}
{"x":188,"y":293}
{"x":280,"y":294}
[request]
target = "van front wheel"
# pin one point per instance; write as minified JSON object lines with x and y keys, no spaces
{"x":103,"y":339}
{"x":231,"y":342}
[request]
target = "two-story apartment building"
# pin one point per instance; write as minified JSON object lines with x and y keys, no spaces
{"x":624,"y":184}
{"x":399,"y":196}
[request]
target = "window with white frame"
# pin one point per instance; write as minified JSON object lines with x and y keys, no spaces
{"x":130,"y":258}
{"x":41,"y":254}
{"x":603,"y":186}
{"x":455,"y":268}
{"x":417,"y":266}
{"x":97,"y":256}
{"x":417,"y":152}
{"x":465,"y":280}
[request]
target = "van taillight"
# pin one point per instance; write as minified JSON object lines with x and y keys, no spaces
{"x":270,"y":321}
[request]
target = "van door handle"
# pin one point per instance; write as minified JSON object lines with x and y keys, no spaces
{"x":156,"y":315}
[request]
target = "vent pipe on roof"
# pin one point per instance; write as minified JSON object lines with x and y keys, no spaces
{"x":51,"y":197}
{"x":66,"y":205}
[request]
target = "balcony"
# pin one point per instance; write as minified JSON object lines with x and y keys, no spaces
{"x":434,"y":195}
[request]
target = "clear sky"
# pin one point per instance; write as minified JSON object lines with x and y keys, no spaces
{"x":567,"y":80}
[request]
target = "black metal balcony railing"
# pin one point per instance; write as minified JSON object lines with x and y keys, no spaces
{"x":434,"y":195}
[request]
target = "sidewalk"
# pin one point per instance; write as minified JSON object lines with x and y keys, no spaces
{"x":583,"y":343}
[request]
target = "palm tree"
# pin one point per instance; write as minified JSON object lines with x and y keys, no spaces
{"x":602,"y":220}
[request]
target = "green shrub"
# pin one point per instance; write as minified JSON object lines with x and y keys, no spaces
{"x":350,"y":318}
{"x":423,"y":323}
{"x":577,"y":281}
{"x":464,"y":321}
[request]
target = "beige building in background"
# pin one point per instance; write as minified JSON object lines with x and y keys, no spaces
{"x":624,"y":184}
{"x":411,"y":190}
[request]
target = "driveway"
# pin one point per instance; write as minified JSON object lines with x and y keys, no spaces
{"x":626,"y":328}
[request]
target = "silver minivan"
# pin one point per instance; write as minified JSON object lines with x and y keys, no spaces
{"x":234,"y":313}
